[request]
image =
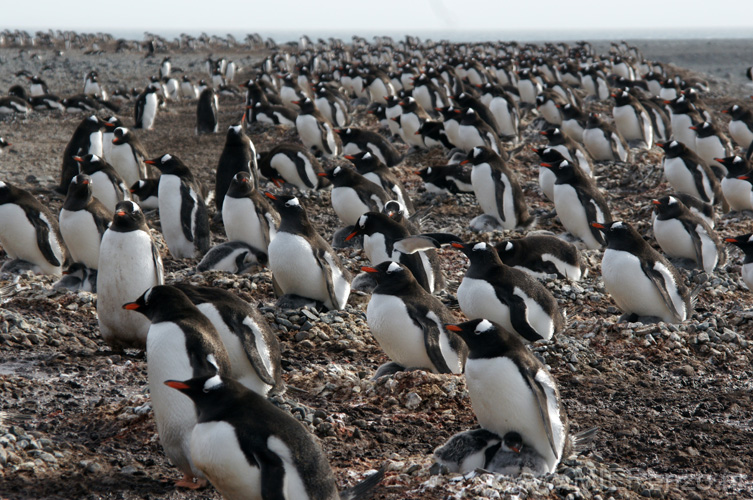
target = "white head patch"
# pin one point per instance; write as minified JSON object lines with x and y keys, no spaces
{"x":347,"y":131}
{"x":556,"y":131}
{"x":672,"y":200}
{"x":2,"y":184}
{"x":93,"y":118}
{"x":213,"y":382}
{"x":148,"y":294}
{"x":141,"y":184}
{"x":509,"y":246}
{"x":735,"y":107}
{"x":565,"y":164}
{"x":213,"y":361}
{"x":336,"y":171}
{"x":367,"y":156}
{"x":394,"y":267}
{"x":293,"y":202}
{"x":673,"y":144}
{"x":236,"y":129}
{"x":737,"y":159}
{"x":95,"y":159}
{"x":166,"y":158}
{"x":479,"y":246}
{"x":134,"y":207}
{"x":362,"y":220}
{"x":618,"y":225}
{"x":483,"y":326}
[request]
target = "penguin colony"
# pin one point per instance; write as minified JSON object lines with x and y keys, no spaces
{"x":482,"y":108}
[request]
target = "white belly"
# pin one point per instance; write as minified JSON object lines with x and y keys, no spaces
{"x":501,"y":112}
{"x":125,"y":164}
{"x":573,"y":216}
{"x":681,"y":179}
{"x":170,"y":202}
{"x":19,"y":239}
{"x":287,"y":169}
{"x":348,"y":205}
{"x":95,"y":143}
{"x":308,"y":130}
{"x":681,"y":130}
{"x":568,"y":270}
{"x":81,"y":236}
{"x":675,"y":241}
{"x":709,"y":148}
{"x":747,"y":275}
{"x":150,"y":111}
{"x":627,"y":123}
{"x":597,"y":145}
{"x":740,"y":133}
{"x":478,"y":300}
{"x":375,"y":249}
{"x":409,"y":124}
{"x":737,"y":193}
{"x":486,"y":195}
{"x":104,"y":190}
{"x":242,"y":224}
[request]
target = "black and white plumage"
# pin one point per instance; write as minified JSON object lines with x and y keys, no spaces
{"x":107,"y":185}
{"x":232,"y":257}
{"x":78,"y":277}
{"x":474,"y":132}
{"x":740,"y":125}
{"x":303,"y":264}
{"x":508,"y":296}
{"x":264,"y":112}
{"x":410,"y":116}
{"x":745,"y":243}
{"x":83,"y":222}
{"x":183,"y":213}
{"x":29,"y":232}
{"x":13,"y":105}
{"x":86,"y":139}
{"x":641,"y":281}
{"x":541,"y":255}
{"x":247,"y":214}
{"x":108,"y":134}
{"x":408,"y":322}
{"x":238,"y":155}
{"x":688,"y":173}
{"x":316,"y":132}
{"x":511,"y":391}
{"x":683,"y":114}
{"x":356,"y":140}
{"x":603,"y":142}
{"x":711,"y":143}
{"x":737,"y":185}
{"x":207,"y":109}
{"x":571,"y":150}
{"x":293,"y":164}
{"x":146,"y":192}
{"x":333,"y":105}
{"x":373,"y":169}
{"x":446,"y":179}
{"x":353,"y":195}
{"x":632,"y":120}
{"x":145,"y":108}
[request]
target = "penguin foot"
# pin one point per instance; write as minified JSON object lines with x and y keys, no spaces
{"x":187,"y":481}
{"x":390,"y":368}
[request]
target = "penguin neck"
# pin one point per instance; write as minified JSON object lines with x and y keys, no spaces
{"x":296,"y":224}
{"x":483,"y":267}
{"x":401,"y":287}
{"x":77,"y":199}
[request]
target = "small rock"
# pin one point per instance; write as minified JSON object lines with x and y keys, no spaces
{"x":412,"y":400}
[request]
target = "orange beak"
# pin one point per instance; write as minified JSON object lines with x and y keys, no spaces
{"x":453,"y":328}
{"x":457,"y":245}
{"x":369,"y":270}
{"x":730,"y":240}
{"x":131,"y":306}
{"x":597,"y":225}
{"x":351,"y":236}
{"x":176,"y":385}
{"x":270,"y":196}
{"x":150,"y":162}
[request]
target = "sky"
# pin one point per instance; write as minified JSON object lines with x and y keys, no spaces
{"x":720,"y":18}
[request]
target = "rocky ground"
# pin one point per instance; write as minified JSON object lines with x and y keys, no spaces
{"x":672,"y":402}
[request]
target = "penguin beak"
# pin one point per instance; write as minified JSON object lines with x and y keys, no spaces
{"x":115,"y":140}
{"x":394,"y":118}
{"x":108,"y":124}
{"x":369,"y":270}
{"x":150,"y":162}
{"x":667,"y":102}
{"x":296,"y":102}
{"x":720,"y":160}
{"x":120,"y":213}
{"x":656,"y":202}
{"x":730,"y":240}
{"x":465,"y":162}
{"x":270,"y":196}
{"x":85,"y":182}
{"x":349,"y":157}
{"x":693,"y":128}
{"x":515,"y":448}
{"x":598,"y":226}
{"x":351,"y":235}
{"x":542,"y":132}
{"x":323,"y":174}
{"x":743,"y":177}
{"x":181,"y":386}
{"x":131,"y":306}
{"x":416,"y":172}
{"x":725,"y":111}
{"x":417,"y":132}
{"x":461,"y":246}
{"x":78,"y":159}
{"x":453,"y":328}
{"x":547,"y":165}
{"x":278,"y":182}
{"x":132,"y":191}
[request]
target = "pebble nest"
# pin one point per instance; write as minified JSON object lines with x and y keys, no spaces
{"x":672,"y":402}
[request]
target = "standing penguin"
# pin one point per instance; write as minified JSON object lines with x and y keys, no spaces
{"x":511,"y":391}
{"x":603,"y":142}
{"x":83,"y":222}
{"x":372,"y":168}
{"x":683,"y":114}
{"x":29,"y":232}
{"x":509,"y":296}
{"x":107,"y":185}
{"x":129,"y":263}
{"x":632,"y":120}
{"x":294,"y":164}
{"x":86,"y":139}
{"x":315,"y":131}
{"x":111,"y":124}
{"x":353,"y":195}
{"x":303,"y":264}
{"x":408,"y":322}
{"x":745,"y":243}
{"x":737,"y":185}
{"x":146,"y":192}
{"x":688,"y":173}
{"x":182,"y":212}
{"x":145,"y":109}
{"x":248,"y":215}
{"x":710,"y":143}
{"x":571,"y":150}
{"x":127,"y":156}
{"x":740,"y":125}
{"x":640,"y":280}
{"x":497,"y":191}
{"x":182,"y":343}
{"x":206,"y":112}
{"x":238,"y":155}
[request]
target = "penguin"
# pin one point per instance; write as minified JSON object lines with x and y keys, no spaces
{"x":86,"y":139}
{"x":702,"y":209}
{"x":466,"y":100}
{"x":497,"y":190}
{"x":603,"y":142}
{"x":737,"y":185}
{"x":293,"y":164}
{"x":572,"y":151}
{"x":14,"y":105}
{"x":392,"y":112}
{"x":353,"y":195}
{"x":271,"y":114}
{"x":332,"y":105}
{"x":232,"y":257}
{"x":632,"y":121}
{"x":373,"y":169}
{"x":182,"y":211}
{"x":681,"y":234}
{"x":207,"y":109}
{"x":182,"y":343}
{"x":107,"y":136}
{"x":546,"y":176}
{"x":78,"y":277}
{"x":446,"y":179}
{"x":37,"y":86}
{"x":107,"y":185}
{"x":291,"y":93}
{"x":408,"y":323}
{"x":509,"y":296}
{"x":688,"y":173}
{"x":682,"y":115}
{"x":187,"y":89}
{"x":474,"y":132}
{"x":512,"y":391}
{"x":252,"y":347}
{"x":29,"y":232}
{"x":147,"y":193}
{"x":594,"y":82}
{"x":4,"y":144}
{"x":166,"y":67}
{"x":433,"y":134}
{"x":542,"y":255}
{"x":528,"y":87}
{"x":145,"y":109}
{"x":578,"y":203}
{"x":740,"y":125}
{"x":238,"y":155}
{"x":249,"y":448}
{"x":315,"y":131}
{"x":710,"y":143}
{"x":303,"y":264}
{"x":573,"y":122}
{"x":745,"y":243}
{"x":428,"y":94}
{"x":129,"y":263}
{"x":411,"y":116}
{"x":127,"y":156}
{"x":247,"y":214}
{"x":467,"y":451}
{"x":356,"y":140}
{"x":92,"y":86}
{"x":549,"y":105}
{"x":641,"y":281}
{"x":504,"y":110}
{"x":83,"y":222}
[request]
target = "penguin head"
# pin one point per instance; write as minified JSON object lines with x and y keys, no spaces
{"x":548,"y":155}
{"x":485,"y":338}
{"x":168,"y":164}
{"x":6,"y":193}
{"x":619,"y":235}
{"x":506,"y":249}
{"x":478,"y":253}
{"x":364,"y":161}
{"x":212,"y":394}
{"x":672,"y":149}
{"x":594,"y":120}
{"x":90,"y":164}
{"x":121,"y":135}
{"x":669,"y":207}
{"x":306,"y":105}
{"x":236,"y":134}
{"x":745,"y":243}
{"x":285,"y":204}
{"x":241,"y":185}
{"x":80,"y":187}
{"x":128,"y":217}
{"x":340,"y":176}
{"x":737,"y":166}
{"x":554,"y":134}
{"x":390,"y":276}
{"x":562,"y":169}
{"x":479,"y":155}
{"x":161,"y":302}
{"x":621,"y":97}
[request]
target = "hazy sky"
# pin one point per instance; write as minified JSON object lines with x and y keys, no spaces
{"x":266,"y":16}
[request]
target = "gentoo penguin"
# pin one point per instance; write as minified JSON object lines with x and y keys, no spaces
{"x":700,"y":208}
{"x":238,"y":155}
{"x":265,"y":112}
{"x":207,"y":109}
{"x":446,"y":179}
{"x":632,"y":120}
{"x":107,"y":136}
{"x":745,"y":242}
{"x":92,"y":86}
{"x":249,"y":448}
{"x":549,"y":105}
{"x":528,"y":87}
{"x":683,"y":235}
{"x":182,"y":211}
{"x":409,"y":119}
{"x":303,"y":264}
{"x":373,"y":169}
{"x":232,"y":257}
{"x":293,"y":164}
{"x":332,"y":105}
{"x":107,"y":185}
{"x":247,"y":214}
{"x":433,"y":134}
{"x":740,"y":125}
{"x":356,"y":140}
{"x":541,"y":255}
{"x":182,"y":343}
{"x":86,"y":139}
{"x":353,"y":195}
{"x":12,"y":105}
{"x":474,"y":132}
{"x":505,"y":111}
{"x":737,"y":185}
{"x":145,"y":109}
{"x":497,"y":191}
{"x":408,"y":323}
{"x":429,"y":95}
{"x":573,"y":122}
{"x":83,"y":222}
{"x":127,"y":156}
{"x":466,"y":100}
{"x":290,"y":92}
{"x":710,"y":143}
{"x":578,"y":203}
{"x":571,"y":150}
{"x":129,"y":263}
{"x":682,"y":115}
{"x":316,"y":132}
{"x":4,"y":144}
{"x":512,"y":391}
{"x":640,"y":280}
{"x":467,"y":451}
{"x":252,"y":346}
{"x":603,"y":142}
{"x":78,"y":277}
{"x":37,"y":86}
{"x":511,"y":297}
{"x":147,"y":193}
{"x":29,"y":232}
{"x":688,"y":173}
{"x":187,"y":89}
{"x":546,"y":176}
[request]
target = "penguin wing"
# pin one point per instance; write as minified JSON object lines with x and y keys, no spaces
{"x":188,"y":204}
{"x":595,"y":212}
{"x":499,"y":194}
{"x":102,"y":217}
{"x":326,"y":262}
{"x":692,"y":228}
{"x":659,"y":281}
{"x":429,"y":323}
{"x":537,"y":385}
{"x":157,"y":260}
{"x":702,"y":181}
{"x":648,"y":128}
{"x":426,"y":241}
{"x":325,"y":132}
{"x":139,"y":111}
{"x":42,"y":228}
{"x":247,"y":331}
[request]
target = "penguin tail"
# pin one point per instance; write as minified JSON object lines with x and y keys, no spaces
{"x":364,"y":489}
{"x":583,"y":439}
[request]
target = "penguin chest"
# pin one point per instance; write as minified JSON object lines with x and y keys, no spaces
{"x":551,"y":113}
{"x":423,"y":96}
{"x":683,"y":180}
{"x":217,"y":453}
{"x":573,"y":216}
{"x":287,"y":168}
{"x":375,"y":247}
{"x":478,"y":299}
{"x":681,"y":131}
{"x":105,"y":191}
{"x":747,"y":275}
{"x":81,"y":236}
{"x":171,"y":217}
{"x":737,"y":192}
{"x":410,"y":123}
{"x":627,"y":122}
{"x":528,"y":91}
{"x":500,"y":109}
{"x":674,"y":239}
{"x":125,"y":164}
{"x":709,"y":148}
{"x":308,"y":130}
{"x":95,"y":143}
{"x":740,"y":133}
{"x":504,"y":402}
{"x":469,"y":137}
{"x":598,"y":144}
{"x":485,"y":186}
{"x":150,"y":111}
{"x":242,"y":223}
{"x":107,"y":146}
{"x":349,"y":205}
{"x":546,"y":182}
{"x":19,"y":239}
{"x":572,"y":129}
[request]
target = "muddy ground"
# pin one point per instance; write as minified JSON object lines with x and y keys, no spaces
{"x":672,"y":402}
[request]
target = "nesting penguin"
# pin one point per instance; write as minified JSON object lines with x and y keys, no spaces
{"x":247,"y":214}
{"x":353,"y":195}
{"x":293,"y":164}
{"x":737,"y":185}
{"x":446,"y":179}
{"x":542,"y":255}
{"x":356,"y":140}
{"x":83,"y":222}
{"x":232,"y":257}
{"x":372,"y":168}
{"x":603,"y":142}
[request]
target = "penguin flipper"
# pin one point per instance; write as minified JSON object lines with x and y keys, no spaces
{"x":431,"y":330}
{"x":519,"y":320}
{"x":157,"y":261}
{"x":247,"y":331}
{"x":42,"y":229}
{"x":702,"y":180}
{"x":300,"y":168}
{"x":413,"y":244}
{"x":539,"y":391}
{"x":325,"y":132}
{"x":658,"y":279}
{"x":326,"y":263}
{"x":499,"y":194}
{"x":594,"y":213}
{"x":188,"y":203}
{"x":692,"y":229}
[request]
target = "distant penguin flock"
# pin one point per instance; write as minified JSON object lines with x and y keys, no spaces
{"x":384,"y":167}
